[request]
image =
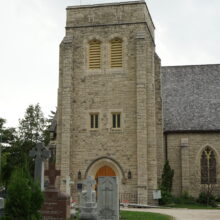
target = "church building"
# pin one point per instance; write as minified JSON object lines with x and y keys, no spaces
{"x":110,"y":120}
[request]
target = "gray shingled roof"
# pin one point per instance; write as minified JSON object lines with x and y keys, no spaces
{"x":191,"y":97}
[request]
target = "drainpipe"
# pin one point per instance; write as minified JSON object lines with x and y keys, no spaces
{"x":166,"y":145}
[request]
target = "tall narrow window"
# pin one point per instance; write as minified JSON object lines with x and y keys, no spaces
{"x":94,"y":120}
{"x":116,"y":53}
{"x":116,"y":120}
{"x":95,"y":54}
{"x":208,"y":166}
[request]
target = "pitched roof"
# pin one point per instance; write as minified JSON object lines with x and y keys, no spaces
{"x":191,"y":97}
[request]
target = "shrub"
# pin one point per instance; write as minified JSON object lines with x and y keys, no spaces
{"x":218,"y":199}
{"x":24,"y":197}
{"x":166,"y":198}
{"x":207,"y":199}
{"x":185,"y":198}
{"x":166,"y":184}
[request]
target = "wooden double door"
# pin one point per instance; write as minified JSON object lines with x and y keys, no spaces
{"x":104,"y":171}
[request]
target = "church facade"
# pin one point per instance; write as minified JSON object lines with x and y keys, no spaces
{"x":109,"y":118}
{"x":191,"y":104}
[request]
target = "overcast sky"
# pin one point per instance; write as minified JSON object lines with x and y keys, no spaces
{"x":187,"y":32}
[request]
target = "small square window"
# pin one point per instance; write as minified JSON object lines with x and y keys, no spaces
{"x":116,"y":120}
{"x":94,"y":120}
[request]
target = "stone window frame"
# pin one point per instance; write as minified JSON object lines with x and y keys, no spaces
{"x":94,"y":120}
{"x":88,"y":124}
{"x":119,"y":70}
{"x":110,"y":121}
{"x":204,"y":153}
{"x":86,"y":44}
{"x":91,"y":58}
{"x":116,"y":120}
{"x":105,"y":55}
{"x":111,"y":61}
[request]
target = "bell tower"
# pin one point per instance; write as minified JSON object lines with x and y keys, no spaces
{"x":109,"y":106}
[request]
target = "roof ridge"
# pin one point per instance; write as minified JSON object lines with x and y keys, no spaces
{"x":193,"y":65}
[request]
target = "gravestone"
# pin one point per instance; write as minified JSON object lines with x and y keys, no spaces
{"x":68,"y":182}
{"x":56,"y":204}
{"x":156,"y":194}
{"x":108,"y":199}
{"x":88,"y":205}
{"x":40,"y":153}
{"x":2,"y":206}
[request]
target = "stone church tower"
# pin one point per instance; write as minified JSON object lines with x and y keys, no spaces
{"x":109,"y":118}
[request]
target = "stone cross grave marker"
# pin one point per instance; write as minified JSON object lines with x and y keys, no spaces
{"x":88,"y":206}
{"x":40,"y":153}
{"x":56,"y":204}
{"x":108,"y":199}
{"x":89,"y":182}
{"x":68,"y":184}
{"x":52,"y":174}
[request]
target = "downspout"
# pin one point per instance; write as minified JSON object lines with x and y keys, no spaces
{"x":166,"y":145}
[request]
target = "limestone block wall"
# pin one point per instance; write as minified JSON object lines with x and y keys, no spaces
{"x":185,"y":160}
{"x":132,"y":90}
{"x":159,"y":118}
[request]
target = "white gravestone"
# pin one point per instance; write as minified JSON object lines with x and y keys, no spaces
{"x":157,"y":194}
{"x":2,"y":203}
{"x":108,"y":199}
{"x":88,"y":206}
{"x":68,"y":182}
{"x":2,"y":206}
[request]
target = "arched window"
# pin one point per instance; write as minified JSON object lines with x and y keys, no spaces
{"x":208,"y":166}
{"x":116,"y":53}
{"x":94,"y":54}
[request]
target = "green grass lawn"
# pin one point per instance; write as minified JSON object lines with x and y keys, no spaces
{"x":128,"y":215}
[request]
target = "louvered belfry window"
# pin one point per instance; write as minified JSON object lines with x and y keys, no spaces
{"x":116,"y":53}
{"x":95,"y":54}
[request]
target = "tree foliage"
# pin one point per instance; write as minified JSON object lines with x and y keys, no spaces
{"x":167,"y":177}
{"x":31,"y":127}
{"x":7,"y":135}
{"x":166,"y":184}
{"x":24,"y":197}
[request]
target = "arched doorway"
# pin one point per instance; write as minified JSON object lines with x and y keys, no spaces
{"x":104,"y":171}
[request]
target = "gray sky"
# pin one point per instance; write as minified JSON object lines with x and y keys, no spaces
{"x":187,"y":32}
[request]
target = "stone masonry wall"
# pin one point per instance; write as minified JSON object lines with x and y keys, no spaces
{"x":129,"y":90}
{"x":159,"y":118}
{"x":185,"y":160}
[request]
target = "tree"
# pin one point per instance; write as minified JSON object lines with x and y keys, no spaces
{"x":166,"y":184}
{"x":7,"y":135}
{"x":31,"y":127}
{"x":24,"y":197}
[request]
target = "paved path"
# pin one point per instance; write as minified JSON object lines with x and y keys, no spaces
{"x":184,"y":214}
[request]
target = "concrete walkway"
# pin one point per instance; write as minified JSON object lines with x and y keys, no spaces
{"x":183,"y":214}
